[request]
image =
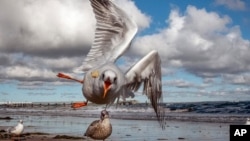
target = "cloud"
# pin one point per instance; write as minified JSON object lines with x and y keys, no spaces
{"x":47,"y":28}
{"x":200,"y":42}
{"x":142,"y":20}
{"x":179,"y":83}
{"x":40,"y":94}
{"x":241,"y":90}
{"x":29,"y":73}
{"x":232,"y":4}
{"x":39,"y":38}
{"x":53,"y":28}
{"x":243,"y":79}
{"x":4,"y":93}
{"x":35,"y":85}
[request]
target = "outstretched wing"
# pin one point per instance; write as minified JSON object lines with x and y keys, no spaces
{"x":148,"y":71}
{"x":113,"y":34}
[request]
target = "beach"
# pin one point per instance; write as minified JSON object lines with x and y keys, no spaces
{"x":60,"y":122}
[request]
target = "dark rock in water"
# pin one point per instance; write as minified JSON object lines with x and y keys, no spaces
{"x":162,"y":139}
{"x":180,"y":138}
{"x":5,"y":118}
{"x":67,"y":137}
{"x":34,"y":133}
{"x":128,"y":135}
{"x":2,"y":131}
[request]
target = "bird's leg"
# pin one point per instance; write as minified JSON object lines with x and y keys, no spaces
{"x":61,"y":75}
{"x":117,"y":102}
{"x":77,"y":105}
{"x":106,"y":106}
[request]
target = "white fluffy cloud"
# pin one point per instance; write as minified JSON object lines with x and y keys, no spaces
{"x":142,"y":20}
{"x":179,"y":83}
{"x":199,"y":41}
{"x":45,"y":27}
{"x":243,"y":79}
{"x":232,"y":4}
{"x":39,"y":38}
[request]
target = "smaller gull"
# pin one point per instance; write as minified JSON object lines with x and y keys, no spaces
{"x":247,"y":121}
{"x":17,"y":130}
{"x":100,"y":129}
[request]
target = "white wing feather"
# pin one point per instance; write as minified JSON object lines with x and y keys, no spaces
{"x":113,"y":35}
{"x":148,"y":71}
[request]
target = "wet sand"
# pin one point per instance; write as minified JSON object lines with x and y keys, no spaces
{"x":143,"y":130}
{"x":63,"y":123}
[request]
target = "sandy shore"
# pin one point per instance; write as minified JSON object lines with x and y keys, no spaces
{"x":63,"y":124}
{"x":127,"y":130}
{"x":143,"y":130}
{"x":39,"y":137}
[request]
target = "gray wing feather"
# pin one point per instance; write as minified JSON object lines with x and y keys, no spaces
{"x":114,"y":32}
{"x":92,"y":128}
{"x":10,"y":129}
{"x":148,"y":71}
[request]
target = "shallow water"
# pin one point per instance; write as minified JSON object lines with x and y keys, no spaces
{"x":125,"y":130}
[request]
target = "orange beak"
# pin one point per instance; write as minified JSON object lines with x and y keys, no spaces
{"x":106,"y":87}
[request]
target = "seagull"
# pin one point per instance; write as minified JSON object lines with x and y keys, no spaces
{"x":100,"y":129}
{"x":104,"y":82}
{"x":17,"y":130}
{"x":247,"y":121}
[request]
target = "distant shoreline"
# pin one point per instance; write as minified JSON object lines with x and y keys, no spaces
{"x":126,"y":112}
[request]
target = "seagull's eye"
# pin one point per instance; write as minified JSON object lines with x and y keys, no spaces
{"x":115,"y":79}
{"x":103,"y":76}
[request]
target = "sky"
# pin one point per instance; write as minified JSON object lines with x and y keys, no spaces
{"x":204,"y":47}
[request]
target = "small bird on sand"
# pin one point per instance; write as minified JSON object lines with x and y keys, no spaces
{"x":17,"y":130}
{"x":100,"y":129}
{"x":247,"y":121}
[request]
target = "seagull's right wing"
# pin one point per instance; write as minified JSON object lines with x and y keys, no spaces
{"x":113,"y":34}
{"x":148,"y":72}
{"x":11,"y":129}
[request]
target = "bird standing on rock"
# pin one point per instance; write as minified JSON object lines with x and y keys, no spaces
{"x":100,"y":129}
{"x":104,"y":82}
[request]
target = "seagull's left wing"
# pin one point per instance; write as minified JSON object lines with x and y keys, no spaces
{"x":113,"y":34}
{"x":148,"y":71}
{"x":92,"y":128}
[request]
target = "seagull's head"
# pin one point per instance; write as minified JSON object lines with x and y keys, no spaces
{"x":21,"y":121}
{"x":109,"y":80}
{"x":104,"y":114}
